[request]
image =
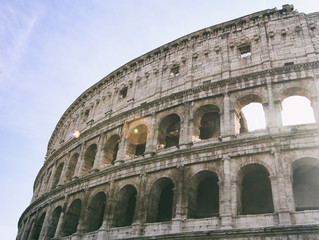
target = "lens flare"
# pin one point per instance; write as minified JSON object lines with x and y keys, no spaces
{"x":135,"y":131}
{"x":76,"y":133}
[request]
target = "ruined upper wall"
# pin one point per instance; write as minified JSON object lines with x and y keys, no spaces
{"x":271,"y":39}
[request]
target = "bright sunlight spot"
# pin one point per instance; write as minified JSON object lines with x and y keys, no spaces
{"x":296,"y":110}
{"x":255,"y":116}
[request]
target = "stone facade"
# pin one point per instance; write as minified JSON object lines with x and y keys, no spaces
{"x":164,"y":151}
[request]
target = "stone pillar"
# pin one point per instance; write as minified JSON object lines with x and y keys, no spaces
{"x":186,"y":129}
{"x":78,"y":167}
{"x":64,"y":170}
{"x":24,"y":231}
{"x":315,"y":107}
{"x":121,"y":154}
{"x":179,"y":211}
{"x":109,"y":208}
{"x":226,"y":197}
{"x":150,"y":148}
{"x":58,"y":230}
{"x":226,"y":129}
{"x":98,"y":156}
{"x":272,"y":110}
{"x":45,"y":224}
{"x":141,"y":201}
{"x":49,"y":187}
{"x":84,"y":208}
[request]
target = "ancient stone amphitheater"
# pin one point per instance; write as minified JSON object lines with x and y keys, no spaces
{"x":165,"y":151}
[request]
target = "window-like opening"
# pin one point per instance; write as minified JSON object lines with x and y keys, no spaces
{"x":89,"y":158}
{"x":256,"y":195}
{"x":169,"y":131}
{"x":57,"y":175}
{"x":137,"y":139}
{"x":244,"y":51}
{"x":174,"y":71}
{"x":123,"y":92}
{"x":209,"y":125}
{"x":110,"y":150}
{"x":95,"y":213}
{"x":297,"y":110}
{"x":249,"y":114}
{"x":160,"y":206}
{"x":206,"y":122}
{"x":125,"y":207}
{"x":252,"y":117}
{"x":37,"y":228}
{"x":204,"y":195}
{"x":53,"y":223}
{"x":87,"y":113}
{"x":71,"y":167}
{"x":306,"y":184}
{"x":72,"y":218}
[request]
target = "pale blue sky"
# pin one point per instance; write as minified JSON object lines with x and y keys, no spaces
{"x":51,"y":51}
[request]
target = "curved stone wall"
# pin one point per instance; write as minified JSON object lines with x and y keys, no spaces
{"x":164,"y":150}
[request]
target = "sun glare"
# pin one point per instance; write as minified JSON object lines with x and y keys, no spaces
{"x":297,"y":110}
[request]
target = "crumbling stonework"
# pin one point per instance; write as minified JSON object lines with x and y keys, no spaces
{"x":164,"y":150}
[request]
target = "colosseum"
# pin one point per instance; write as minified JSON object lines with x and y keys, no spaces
{"x":165,"y":150}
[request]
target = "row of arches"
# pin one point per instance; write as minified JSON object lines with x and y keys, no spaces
{"x":206,"y":124}
{"x":254,"y":193}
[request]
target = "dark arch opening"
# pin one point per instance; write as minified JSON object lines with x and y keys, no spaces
{"x":125,"y":206}
{"x":57,"y":175}
{"x":209,"y":125}
{"x":110,"y":150}
{"x":38,"y":227}
{"x":161,"y":201}
{"x":95,"y":214}
{"x":71,"y":167}
{"x":306,"y":184}
{"x":256,"y":194}
{"x":169,"y":130}
{"x":89,"y":158}
{"x":72,"y":218}
{"x":53,"y":223}
{"x":204,"y":195}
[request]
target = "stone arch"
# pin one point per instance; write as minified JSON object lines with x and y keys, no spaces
{"x":306,"y":183}
{"x":203,"y":197}
{"x":95,"y":212}
{"x":255,"y":192}
{"x":53,"y":222}
{"x":206,"y":122}
{"x":57,"y":175}
{"x":169,"y":130}
{"x":89,"y":158}
{"x":161,"y":198}
{"x":110,"y":150}
{"x":137,"y":140}
{"x":125,"y":206}
{"x":304,"y":95}
{"x":72,"y":218}
{"x":71,"y":166}
{"x":241,"y":125}
{"x":38,"y":227}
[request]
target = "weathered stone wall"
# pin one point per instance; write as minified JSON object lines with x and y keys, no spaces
{"x":109,"y":184}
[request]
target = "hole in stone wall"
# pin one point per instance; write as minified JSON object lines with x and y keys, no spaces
{"x":110,"y":150}
{"x":306,"y":184}
{"x":37,"y":227}
{"x":89,"y":157}
{"x":53,"y":223}
{"x":297,"y":110}
{"x":244,"y":51}
{"x":71,"y":167}
{"x":169,"y":130}
{"x":57,"y":175}
{"x":123,"y":92}
{"x":95,"y":213}
{"x":210,"y":126}
{"x":174,"y":71}
{"x":72,"y":218}
{"x":252,"y":117}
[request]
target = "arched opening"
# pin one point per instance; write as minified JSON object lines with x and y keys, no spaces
{"x":57,"y":175}
{"x":53,"y":223}
{"x":137,"y":139}
{"x":160,"y":207}
{"x":95,"y":213}
{"x":72,"y":218}
{"x":207,"y":122}
{"x":38,"y":227}
{"x":297,"y":110}
{"x":256,"y":194}
{"x":250,"y":114}
{"x":125,"y":207}
{"x":169,"y":130}
{"x":71,"y":167}
{"x":204,"y":195}
{"x":110,"y":150}
{"x":306,"y":184}
{"x":89,"y":158}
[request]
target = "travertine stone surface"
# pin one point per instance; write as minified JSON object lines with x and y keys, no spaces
{"x":164,"y":151}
